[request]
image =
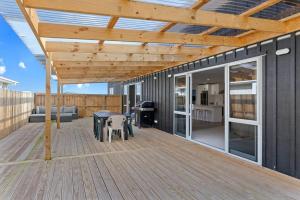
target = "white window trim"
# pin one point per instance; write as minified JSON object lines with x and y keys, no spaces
{"x":258,"y":122}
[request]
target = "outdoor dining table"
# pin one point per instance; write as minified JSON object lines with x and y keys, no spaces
{"x":100,"y":121}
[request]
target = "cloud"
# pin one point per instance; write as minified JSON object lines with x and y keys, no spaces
{"x":83,"y":85}
{"x":2,"y":70}
{"x":2,"y":66}
{"x":22,"y":65}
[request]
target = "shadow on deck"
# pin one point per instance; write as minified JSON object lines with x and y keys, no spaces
{"x":152,"y":165}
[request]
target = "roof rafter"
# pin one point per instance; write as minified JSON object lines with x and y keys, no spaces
{"x":112,"y":63}
{"x":96,"y":33}
{"x":139,"y":10}
{"x":62,"y":56}
{"x":116,"y":48}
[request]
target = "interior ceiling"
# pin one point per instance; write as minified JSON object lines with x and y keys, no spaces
{"x":208,"y":77}
{"x":179,"y":51}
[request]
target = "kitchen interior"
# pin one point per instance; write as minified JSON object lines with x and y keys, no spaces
{"x":208,"y":107}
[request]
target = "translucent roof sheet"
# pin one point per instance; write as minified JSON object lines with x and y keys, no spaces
{"x":191,"y":29}
{"x":70,"y":40}
{"x":175,"y":3}
{"x":161,"y":44}
{"x":228,"y":32}
{"x":10,"y":10}
{"x":280,"y":10}
{"x":195,"y":46}
{"x":231,"y":6}
{"x":123,"y":43}
{"x":73,"y":18}
{"x":138,"y":24}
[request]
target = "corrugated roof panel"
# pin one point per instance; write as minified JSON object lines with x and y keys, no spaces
{"x":123,"y":43}
{"x":175,"y":3}
{"x":24,"y":32}
{"x":10,"y":10}
{"x":280,"y":10}
{"x":73,"y":18}
{"x":161,"y":44}
{"x":228,"y":32}
{"x":231,"y":6}
{"x":191,"y":29}
{"x":138,"y":24}
{"x":70,"y":40}
{"x":196,"y":46}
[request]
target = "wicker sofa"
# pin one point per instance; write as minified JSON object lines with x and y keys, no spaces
{"x":67,"y":114}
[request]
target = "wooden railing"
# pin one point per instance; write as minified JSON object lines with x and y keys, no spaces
{"x":87,"y":104}
{"x":15,"y":107}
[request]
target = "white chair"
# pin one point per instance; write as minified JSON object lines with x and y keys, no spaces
{"x":116,"y":123}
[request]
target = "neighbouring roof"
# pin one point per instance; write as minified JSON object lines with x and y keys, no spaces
{"x":7,"y":81}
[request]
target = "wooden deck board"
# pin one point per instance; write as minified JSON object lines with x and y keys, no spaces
{"x":151,"y":165}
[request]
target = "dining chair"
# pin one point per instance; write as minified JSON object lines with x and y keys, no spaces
{"x":116,"y":123}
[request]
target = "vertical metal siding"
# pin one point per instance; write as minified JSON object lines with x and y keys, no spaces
{"x":281,"y":98}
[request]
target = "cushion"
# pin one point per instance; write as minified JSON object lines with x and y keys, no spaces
{"x":53,"y":109}
{"x":40,"y":110}
{"x":69,"y":109}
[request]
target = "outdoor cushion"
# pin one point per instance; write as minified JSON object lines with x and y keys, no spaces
{"x":37,"y":118}
{"x":69,"y":109}
{"x":53,"y":110}
{"x":40,"y":110}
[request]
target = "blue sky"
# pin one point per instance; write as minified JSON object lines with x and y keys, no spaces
{"x":18,"y":63}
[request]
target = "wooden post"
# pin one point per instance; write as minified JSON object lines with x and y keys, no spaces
{"x":58,"y":104}
{"x":47,"y":134}
{"x":62,"y":94}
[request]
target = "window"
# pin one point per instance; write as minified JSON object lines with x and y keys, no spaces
{"x":180,"y":93}
{"x":243,"y":89}
{"x":138,"y":92}
{"x":111,"y":91}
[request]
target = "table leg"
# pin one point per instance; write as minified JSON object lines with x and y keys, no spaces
{"x":101,"y":129}
{"x":126,"y":130}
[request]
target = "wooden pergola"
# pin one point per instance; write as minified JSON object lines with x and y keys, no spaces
{"x":80,"y":62}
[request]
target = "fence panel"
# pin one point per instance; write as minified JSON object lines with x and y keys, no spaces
{"x":15,"y":107}
{"x":87,"y":103}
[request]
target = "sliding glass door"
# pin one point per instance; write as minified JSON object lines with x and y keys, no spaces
{"x":243,"y":121}
{"x":199,"y":103}
{"x":181,"y":105}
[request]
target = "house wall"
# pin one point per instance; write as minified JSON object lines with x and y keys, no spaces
{"x":281,"y":98}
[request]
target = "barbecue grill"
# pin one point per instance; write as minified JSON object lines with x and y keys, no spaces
{"x":144,"y":114}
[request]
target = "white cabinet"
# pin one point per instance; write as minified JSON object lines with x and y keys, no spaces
{"x":213,"y":89}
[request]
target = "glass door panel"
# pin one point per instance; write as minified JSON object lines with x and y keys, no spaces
{"x":180,"y":93}
{"x":243,"y":140}
{"x":138,"y":93}
{"x":243,"y":115}
{"x":180,"y":125}
{"x":125,"y":99}
{"x":181,"y":106}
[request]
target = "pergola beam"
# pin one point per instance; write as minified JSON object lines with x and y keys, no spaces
{"x":116,"y":48}
{"x":63,"y":64}
{"x":90,"y":80}
{"x":50,"y":30}
{"x":107,"y":68}
{"x":139,"y":10}
{"x":62,"y":56}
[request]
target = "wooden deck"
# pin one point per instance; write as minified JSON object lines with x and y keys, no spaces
{"x":152,"y":165}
